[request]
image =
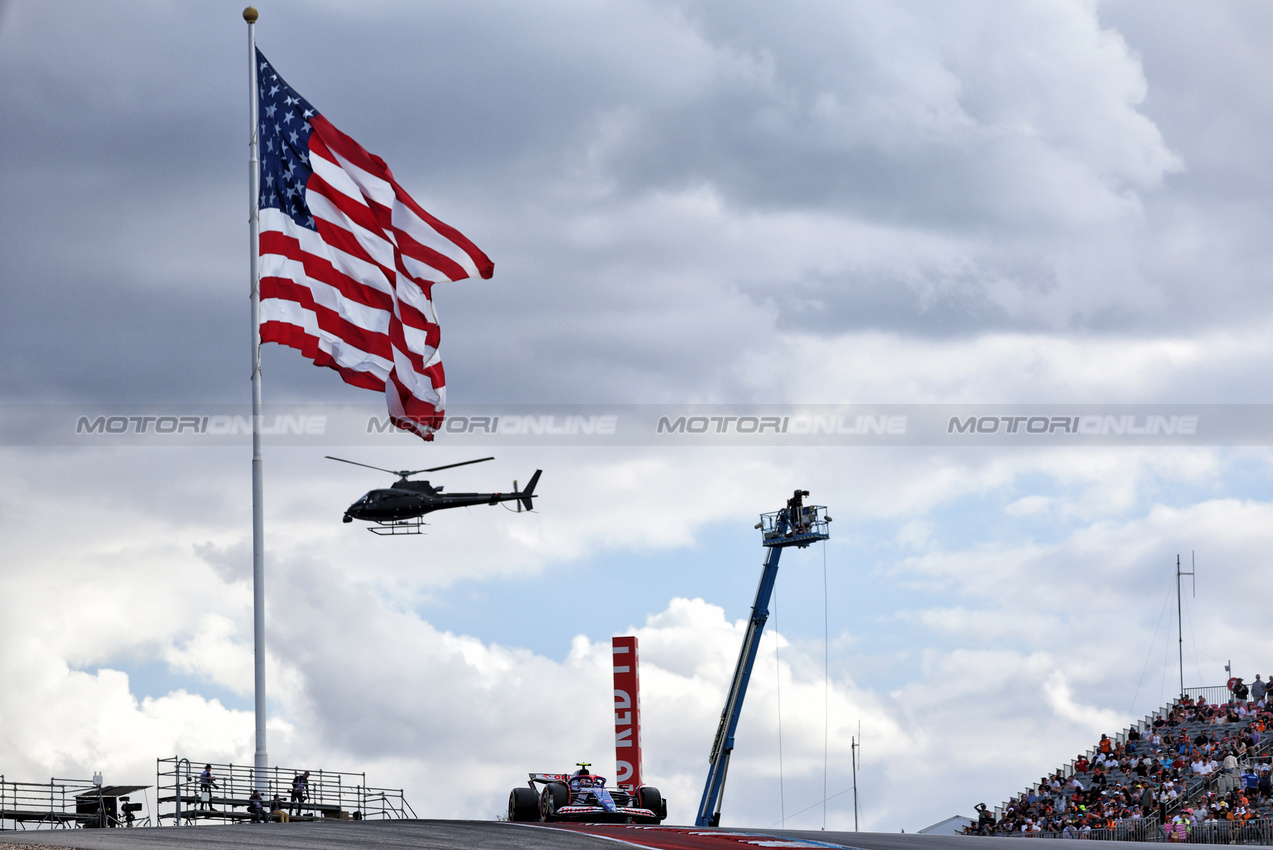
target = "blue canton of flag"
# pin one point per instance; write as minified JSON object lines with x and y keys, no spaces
{"x":284,"y":144}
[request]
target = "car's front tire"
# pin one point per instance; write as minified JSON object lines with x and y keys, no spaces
{"x":523,"y":805}
{"x":648,"y":797}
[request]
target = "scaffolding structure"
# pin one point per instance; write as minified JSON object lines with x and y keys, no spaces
{"x":330,"y":794}
{"x":66,"y":804}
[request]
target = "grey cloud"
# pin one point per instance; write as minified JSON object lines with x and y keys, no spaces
{"x":1017,"y":138}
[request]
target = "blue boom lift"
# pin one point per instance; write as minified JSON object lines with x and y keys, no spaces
{"x":798,"y":525}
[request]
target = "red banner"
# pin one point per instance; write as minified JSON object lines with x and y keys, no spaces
{"x":627,"y":712}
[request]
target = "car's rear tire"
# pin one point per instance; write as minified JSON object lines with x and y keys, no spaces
{"x":648,"y":797}
{"x":554,"y":796}
{"x":523,"y":805}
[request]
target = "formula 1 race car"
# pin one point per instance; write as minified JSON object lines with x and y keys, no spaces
{"x":583,"y":797}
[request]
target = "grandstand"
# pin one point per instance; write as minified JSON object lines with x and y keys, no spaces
{"x":1197,"y":770}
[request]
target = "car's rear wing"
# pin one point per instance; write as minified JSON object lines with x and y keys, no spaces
{"x":550,"y":777}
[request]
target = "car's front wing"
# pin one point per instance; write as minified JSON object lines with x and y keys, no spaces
{"x":597,"y":813}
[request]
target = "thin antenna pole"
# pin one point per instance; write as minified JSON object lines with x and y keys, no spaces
{"x":782,"y":792}
{"x":1180,"y":640}
{"x":826,"y":684}
{"x":1180,"y":635}
{"x":258,"y":474}
{"x":854,"y":760}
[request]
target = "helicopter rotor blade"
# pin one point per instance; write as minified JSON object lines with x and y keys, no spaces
{"x":398,"y":472}
{"x":404,"y":473}
{"x":450,"y":465}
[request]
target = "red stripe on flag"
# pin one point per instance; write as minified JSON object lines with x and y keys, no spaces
{"x":321,"y":269}
{"x":372,"y":342}
{"x":400,"y":346}
{"x":356,"y":210}
{"x":413,"y":318}
{"x":296,"y":337}
{"x":485,"y":267}
{"x":345,"y":147}
{"x":337,"y":142}
{"x":434,"y":259}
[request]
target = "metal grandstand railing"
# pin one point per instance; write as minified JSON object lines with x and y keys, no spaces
{"x":1136,"y":830}
{"x":1215,"y":694}
{"x":1220,"y":832}
{"x":49,"y":805}
{"x":329,"y":794}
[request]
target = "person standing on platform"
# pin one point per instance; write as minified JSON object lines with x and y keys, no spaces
{"x":299,"y":786}
{"x":206,"y":784}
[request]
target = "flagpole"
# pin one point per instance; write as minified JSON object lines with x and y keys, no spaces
{"x":258,"y":512}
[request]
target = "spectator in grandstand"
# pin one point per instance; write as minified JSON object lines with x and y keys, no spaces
{"x":1146,"y":800}
{"x":1258,"y":688}
{"x":1230,"y":764}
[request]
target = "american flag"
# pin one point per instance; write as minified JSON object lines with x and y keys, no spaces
{"x":348,"y":259}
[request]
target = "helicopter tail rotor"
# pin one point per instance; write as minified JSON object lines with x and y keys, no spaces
{"x":529,"y":492}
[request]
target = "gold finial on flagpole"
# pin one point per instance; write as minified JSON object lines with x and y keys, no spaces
{"x":249,"y":14}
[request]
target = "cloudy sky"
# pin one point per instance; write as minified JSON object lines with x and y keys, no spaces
{"x":1051,"y":203}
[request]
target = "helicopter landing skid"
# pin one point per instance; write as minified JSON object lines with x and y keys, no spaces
{"x":405,"y":526}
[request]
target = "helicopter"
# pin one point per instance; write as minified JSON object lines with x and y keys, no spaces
{"x":398,"y":508}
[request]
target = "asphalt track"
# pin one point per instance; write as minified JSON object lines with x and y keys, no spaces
{"x":485,"y":835}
